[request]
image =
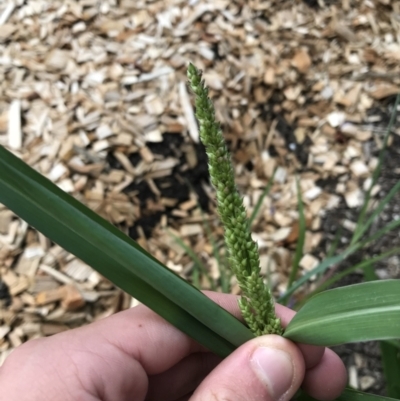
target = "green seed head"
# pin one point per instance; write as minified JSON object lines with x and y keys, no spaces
{"x":256,"y":303}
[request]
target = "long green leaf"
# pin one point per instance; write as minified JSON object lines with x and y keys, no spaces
{"x":113,"y":254}
{"x":394,"y":343}
{"x":198,"y":264}
{"x":223,"y":264}
{"x":320,"y":268}
{"x":348,"y":395}
{"x":378,"y":210}
{"x":360,"y":226}
{"x":361,"y":312}
{"x":261,"y":198}
{"x":328,"y":262}
{"x":359,"y":266}
{"x":380,"y":233}
{"x":355,"y":395}
{"x":390,"y":354}
{"x":302,"y":236}
{"x":391,"y":367}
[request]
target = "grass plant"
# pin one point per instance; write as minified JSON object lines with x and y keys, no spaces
{"x":363,"y":312}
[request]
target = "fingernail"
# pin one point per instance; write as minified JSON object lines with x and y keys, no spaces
{"x":274,"y":367}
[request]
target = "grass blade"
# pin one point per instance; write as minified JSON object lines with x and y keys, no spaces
{"x":391,"y":368}
{"x":223,"y":264}
{"x":355,"y":395}
{"x":320,"y":268}
{"x":361,"y":312}
{"x":334,"y":245}
{"x":116,"y":256}
{"x":378,"y":210}
{"x":389,"y":227}
{"x":348,"y":395}
{"x":199,"y":265}
{"x":394,"y":343}
{"x":360,"y":227}
{"x":261,"y":199}
{"x":390,"y":354}
{"x":359,"y":266}
{"x":302,"y":236}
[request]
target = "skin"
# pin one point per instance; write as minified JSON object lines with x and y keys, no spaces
{"x":136,"y":355}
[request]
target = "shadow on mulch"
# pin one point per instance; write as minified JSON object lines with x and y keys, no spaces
{"x":177,"y":185}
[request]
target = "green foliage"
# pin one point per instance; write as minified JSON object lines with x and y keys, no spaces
{"x":361,"y":312}
{"x":116,"y":256}
{"x":302,"y":236}
{"x":367,"y":311}
{"x":260,"y":200}
{"x":391,"y":367}
{"x":359,"y":239}
{"x":363,"y":226}
{"x":347,"y":395}
{"x":198,"y":264}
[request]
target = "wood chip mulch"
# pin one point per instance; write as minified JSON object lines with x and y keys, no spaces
{"x":93,"y":95}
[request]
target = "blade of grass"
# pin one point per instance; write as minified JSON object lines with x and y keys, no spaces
{"x":391,"y":368}
{"x":225,"y":275}
{"x":378,"y":210}
{"x":224,"y":271}
{"x":116,"y":256}
{"x":320,"y":268}
{"x":355,"y":395}
{"x":348,"y":395}
{"x":361,"y":312}
{"x":328,"y":262}
{"x":359,"y":266}
{"x":198,"y":263}
{"x":360,"y":227}
{"x":335,"y":243}
{"x":196,"y":277}
{"x":332,"y":249}
{"x":302,"y":236}
{"x":390,"y":354}
{"x":261,"y":199}
{"x":389,"y":227}
{"x":393,"y":343}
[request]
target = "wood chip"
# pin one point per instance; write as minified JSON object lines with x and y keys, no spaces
{"x":190,"y":229}
{"x":188,"y":112}
{"x":72,"y":299}
{"x":354,"y":198}
{"x":308,"y":262}
{"x":302,"y":61}
{"x":78,"y":270}
{"x":14,"y":126}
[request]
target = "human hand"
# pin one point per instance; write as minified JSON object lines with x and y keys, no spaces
{"x":136,"y":355}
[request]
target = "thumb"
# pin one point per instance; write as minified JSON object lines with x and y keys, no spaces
{"x":268,"y":368}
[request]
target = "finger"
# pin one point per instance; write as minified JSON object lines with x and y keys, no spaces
{"x":267,"y":368}
{"x":66,"y":368}
{"x":157,"y":345}
{"x":182,"y":378}
{"x":312,"y":354}
{"x":327,"y":380}
{"x":165,"y":345}
{"x":322,"y":364}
